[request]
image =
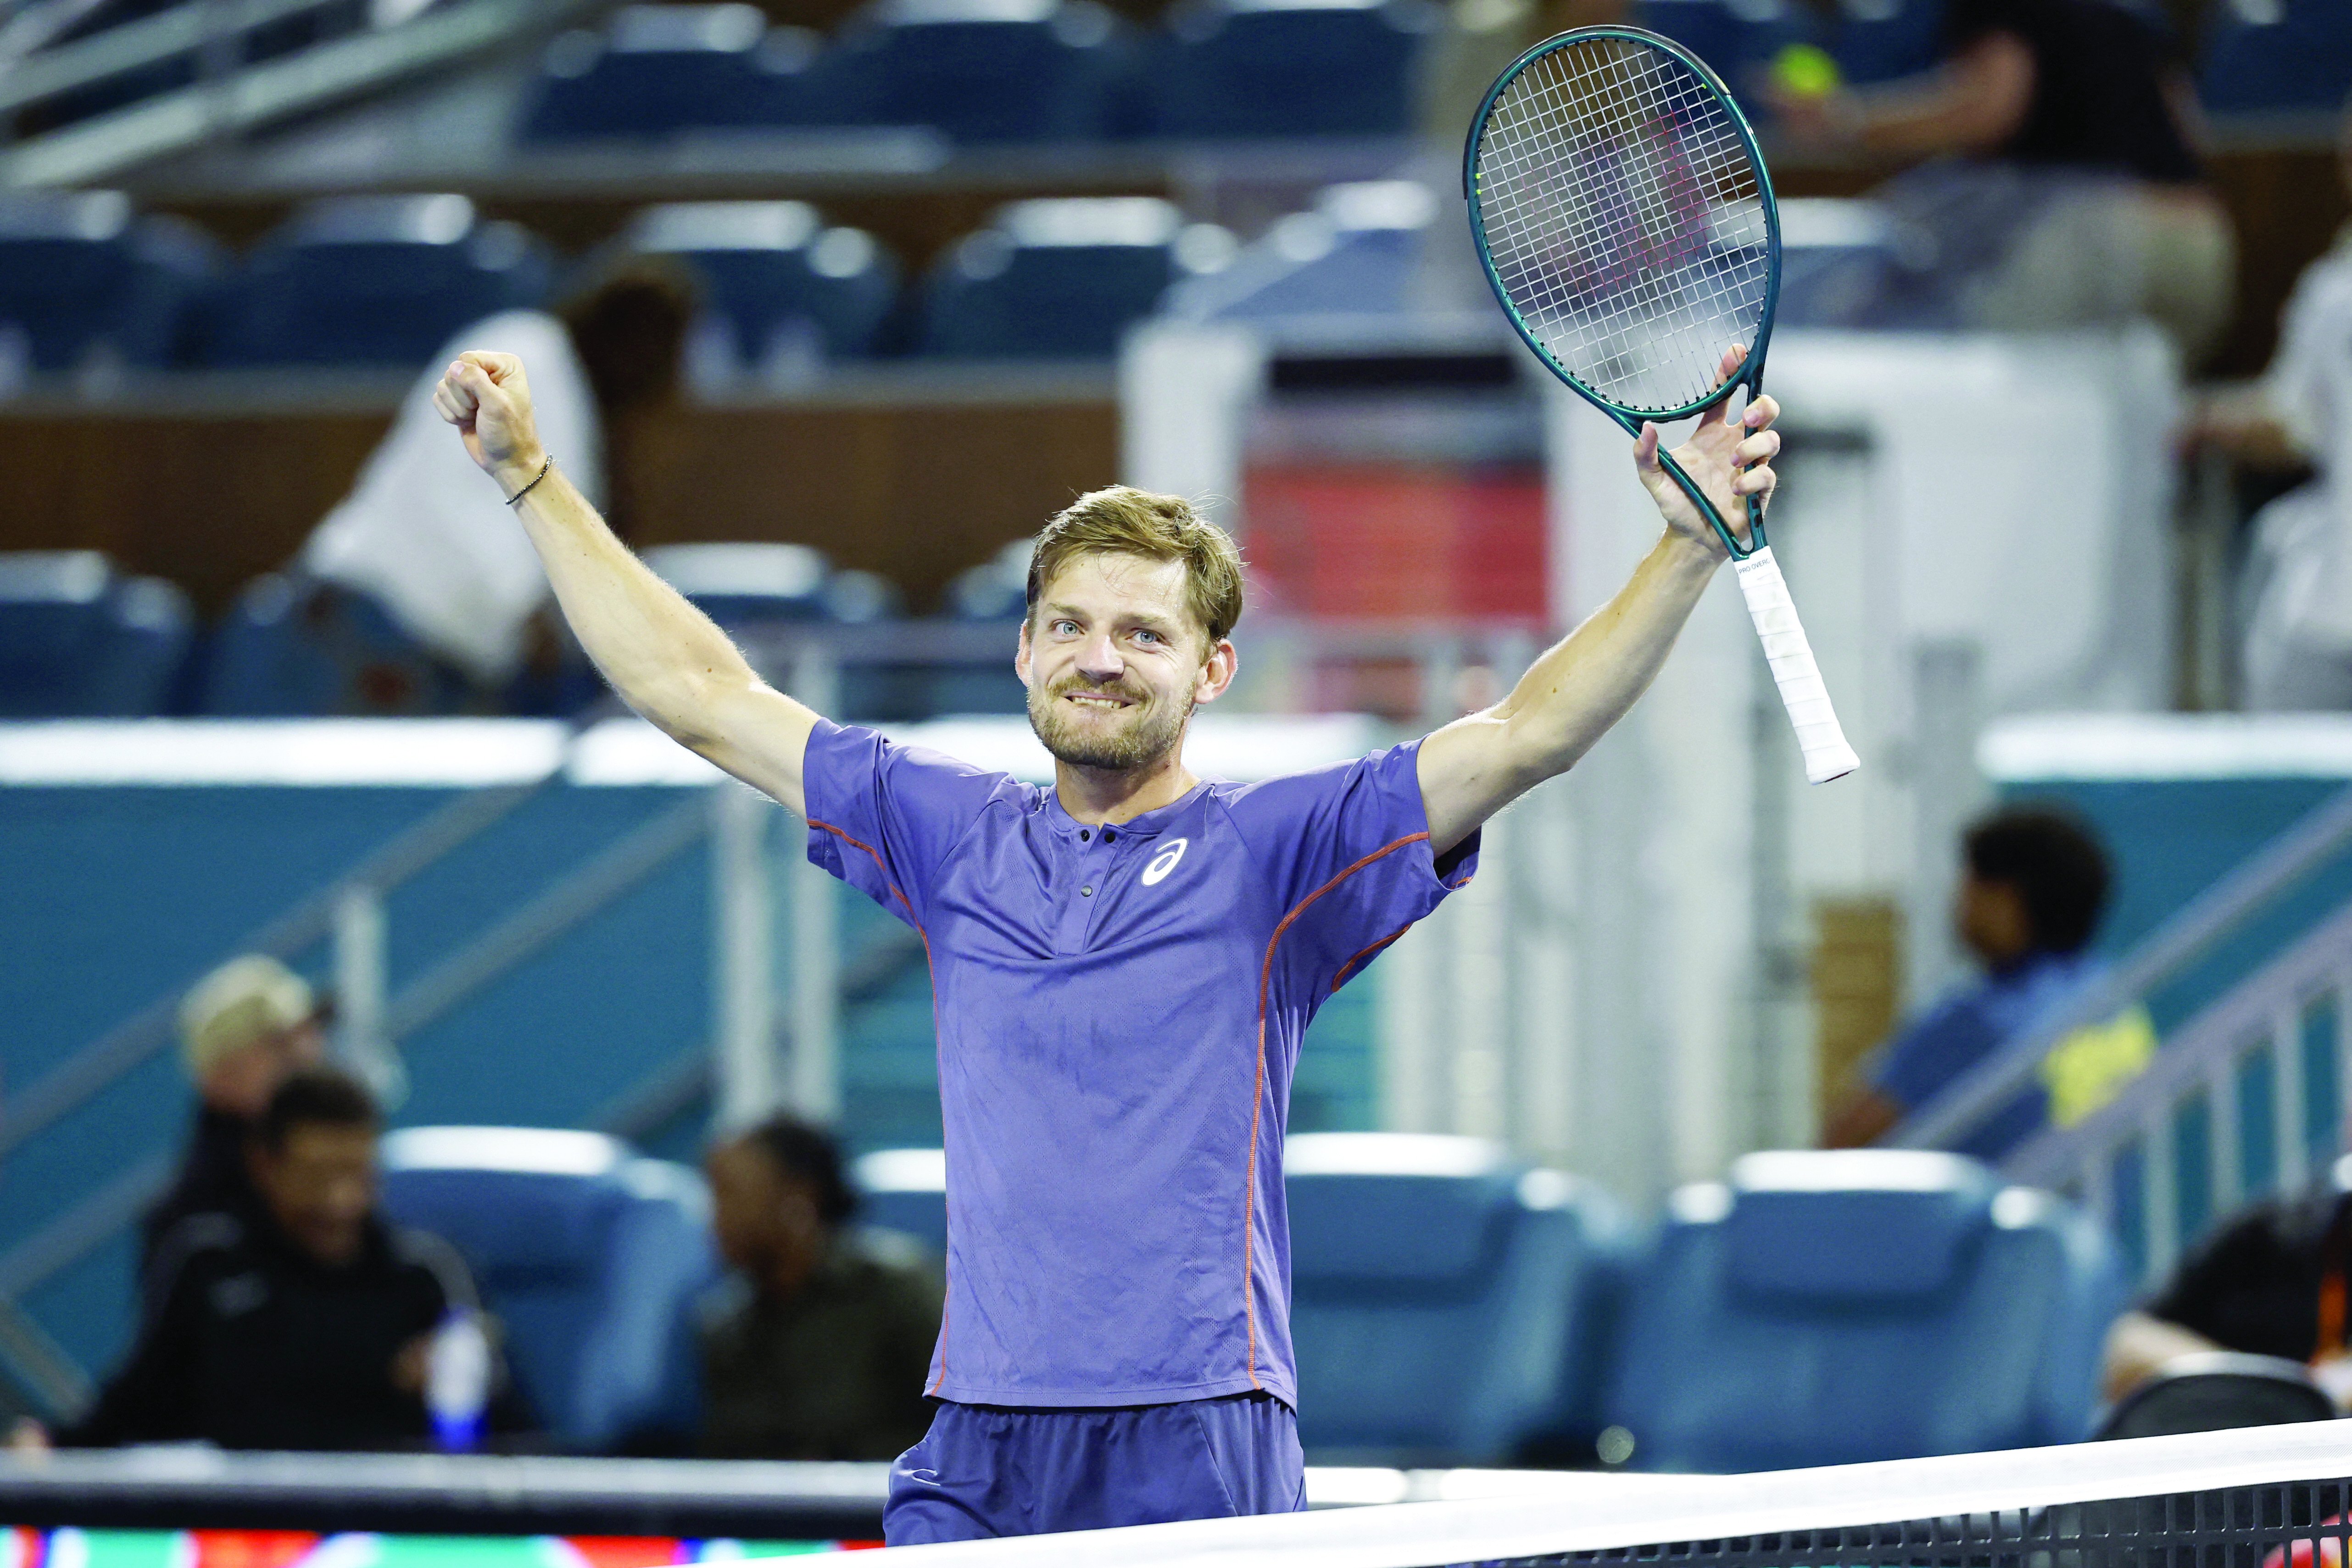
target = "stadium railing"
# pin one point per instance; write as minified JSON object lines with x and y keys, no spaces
{"x":2239,"y":1095}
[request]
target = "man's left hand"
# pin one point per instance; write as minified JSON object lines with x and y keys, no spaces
{"x":1729,"y":462}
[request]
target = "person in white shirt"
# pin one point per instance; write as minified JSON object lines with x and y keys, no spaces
{"x":2297,"y":649}
{"x":420,"y":534}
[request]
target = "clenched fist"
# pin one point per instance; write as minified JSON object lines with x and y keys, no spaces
{"x":486,"y":396}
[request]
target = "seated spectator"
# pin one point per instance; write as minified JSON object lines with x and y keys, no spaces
{"x":420,"y":534}
{"x":2270,"y":1281}
{"x":2115,"y":220}
{"x":2034,"y":884}
{"x":826,"y":1347}
{"x":307,"y":1323}
{"x":243,"y":1030}
{"x":2297,"y":654}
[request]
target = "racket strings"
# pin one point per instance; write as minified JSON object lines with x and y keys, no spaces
{"x":1623,"y":215}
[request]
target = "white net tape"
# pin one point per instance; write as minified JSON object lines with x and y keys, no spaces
{"x":1831,"y":1518}
{"x":1625,"y":219}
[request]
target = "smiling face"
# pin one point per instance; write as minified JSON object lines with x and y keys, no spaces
{"x":1116,"y":662}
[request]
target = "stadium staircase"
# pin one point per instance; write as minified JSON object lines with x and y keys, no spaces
{"x":2249,"y":989}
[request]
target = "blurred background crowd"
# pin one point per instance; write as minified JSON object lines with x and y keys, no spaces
{"x":546,"y":1100}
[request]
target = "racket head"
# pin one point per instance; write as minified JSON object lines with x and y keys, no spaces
{"x":1626,"y":221}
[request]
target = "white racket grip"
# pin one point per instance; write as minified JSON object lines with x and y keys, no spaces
{"x":1827,"y":756}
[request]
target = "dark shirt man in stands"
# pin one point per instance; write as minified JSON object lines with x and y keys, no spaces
{"x":304,"y":1324}
{"x":2034,"y":886}
{"x":243,"y":1030}
{"x":2084,"y":88}
{"x":824,"y":1351}
{"x":2271,"y":1282}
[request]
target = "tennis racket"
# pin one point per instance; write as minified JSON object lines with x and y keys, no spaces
{"x":1625,"y":218}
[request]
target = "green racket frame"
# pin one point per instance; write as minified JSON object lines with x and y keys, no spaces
{"x":1749,"y":375}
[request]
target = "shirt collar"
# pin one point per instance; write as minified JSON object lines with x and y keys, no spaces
{"x":1147,"y":826}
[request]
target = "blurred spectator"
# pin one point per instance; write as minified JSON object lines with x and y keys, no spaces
{"x":824,"y":1351}
{"x":307,"y":1323}
{"x":2298,"y":639}
{"x":2270,"y":1281}
{"x":2034,"y":885}
{"x":243,"y":1030}
{"x":2111,"y":219}
{"x":421,"y":535}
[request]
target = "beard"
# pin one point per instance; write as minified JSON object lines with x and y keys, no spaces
{"x":1148,"y":730}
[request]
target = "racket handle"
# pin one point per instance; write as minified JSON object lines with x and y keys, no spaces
{"x":1827,"y":756}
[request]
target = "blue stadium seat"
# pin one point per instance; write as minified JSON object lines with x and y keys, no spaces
{"x":83,"y":276}
{"x":789,"y":290}
{"x":1053,"y":279}
{"x":661,"y":69}
{"x":380,"y":281}
{"x":1843,"y":263}
{"x":1355,"y":253}
{"x":78,"y":640}
{"x":982,"y":70}
{"x":1253,"y":69}
{"x":590,"y":1256}
{"x":292,"y":647}
{"x":994,"y":591}
{"x":1448,"y":1304}
{"x":905,"y":1190}
{"x":1826,"y":1308}
{"x":2284,"y":57}
{"x":747,"y":585}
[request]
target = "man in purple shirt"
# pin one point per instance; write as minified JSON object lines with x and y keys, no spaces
{"x":1122,"y":964}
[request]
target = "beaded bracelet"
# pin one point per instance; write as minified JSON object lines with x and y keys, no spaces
{"x":534,"y":481}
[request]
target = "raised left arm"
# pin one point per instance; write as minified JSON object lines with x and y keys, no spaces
{"x":1568,"y":699}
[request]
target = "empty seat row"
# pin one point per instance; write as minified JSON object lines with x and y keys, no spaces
{"x":1452,"y":1306}
{"x":385,"y":281}
{"x":992,"y":71}
{"x":78,"y":639}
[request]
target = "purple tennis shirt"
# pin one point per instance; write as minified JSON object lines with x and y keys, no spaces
{"x":1119,"y":1011}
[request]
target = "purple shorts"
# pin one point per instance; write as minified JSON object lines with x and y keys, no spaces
{"x":982,"y":1471}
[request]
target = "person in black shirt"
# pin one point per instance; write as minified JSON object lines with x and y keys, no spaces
{"x":824,"y":1348}
{"x":304,"y":1324}
{"x":2082,"y":97}
{"x":242,"y":1028}
{"x":2271,"y":1282}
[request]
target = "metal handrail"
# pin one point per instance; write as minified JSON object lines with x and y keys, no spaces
{"x":258,"y":94}
{"x":95,"y":1065}
{"x":2217,"y":1033}
{"x":2205,"y":1056}
{"x":2294,"y":854}
{"x":184,"y":30}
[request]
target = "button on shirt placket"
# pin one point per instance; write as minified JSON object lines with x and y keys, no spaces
{"x":1084,"y":881}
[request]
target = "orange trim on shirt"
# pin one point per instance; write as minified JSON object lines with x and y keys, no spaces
{"x":937,"y":1036}
{"x":1257,"y":1091}
{"x":1350,"y":967}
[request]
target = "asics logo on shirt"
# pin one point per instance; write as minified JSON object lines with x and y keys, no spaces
{"x":1164,"y":862}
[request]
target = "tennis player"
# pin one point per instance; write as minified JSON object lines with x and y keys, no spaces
{"x":1122,"y":964}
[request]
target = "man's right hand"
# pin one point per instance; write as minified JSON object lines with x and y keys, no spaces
{"x":486,"y":396}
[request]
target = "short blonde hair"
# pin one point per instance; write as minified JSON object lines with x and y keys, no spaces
{"x":1123,"y":520}
{"x":243,"y":1002}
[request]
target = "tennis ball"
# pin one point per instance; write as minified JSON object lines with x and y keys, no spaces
{"x":1805,"y":71}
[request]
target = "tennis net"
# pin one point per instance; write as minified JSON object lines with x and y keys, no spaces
{"x":2274,"y":1497}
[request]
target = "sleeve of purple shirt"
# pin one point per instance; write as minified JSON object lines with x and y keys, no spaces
{"x":1347,"y":849}
{"x":883,"y":817}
